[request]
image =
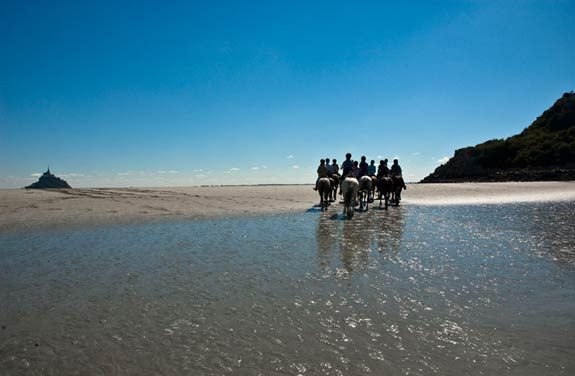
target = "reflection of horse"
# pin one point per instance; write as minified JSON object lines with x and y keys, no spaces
{"x":365,"y":186}
{"x":388,"y":236}
{"x":334,"y":186}
{"x":355,"y":244}
{"x":357,"y":241}
{"x":349,"y":189}
{"x":398,"y":186}
{"x":385,"y":188}
{"x":324,"y":189}
{"x":327,"y":233}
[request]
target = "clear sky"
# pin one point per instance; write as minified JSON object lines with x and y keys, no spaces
{"x":151,"y":93}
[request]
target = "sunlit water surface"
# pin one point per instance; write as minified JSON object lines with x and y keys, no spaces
{"x":411,"y":290}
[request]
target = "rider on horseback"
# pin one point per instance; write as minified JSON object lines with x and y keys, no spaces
{"x":395,"y":168}
{"x":371,"y":169}
{"x":321,"y":172}
{"x":363,"y":167}
{"x":396,"y":172}
{"x":382,"y":169}
{"x":335,"y":167}
{"x":356,"y":171}
{"x":347,"y":165}
{"x":329,"y":167}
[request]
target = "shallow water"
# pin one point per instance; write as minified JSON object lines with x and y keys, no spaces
{"x":411,"y":290}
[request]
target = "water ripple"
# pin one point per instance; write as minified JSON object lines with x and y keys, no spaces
{"x":410,"y":290}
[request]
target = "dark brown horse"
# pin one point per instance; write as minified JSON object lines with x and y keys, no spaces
{"x":398,"y":186}
{"x":334,"y":186}
{"x":385,"y":188}
{"x":324,"y":190}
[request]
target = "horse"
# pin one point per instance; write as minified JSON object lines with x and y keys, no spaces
{"x":349,"y":189}
{"x":365,"y":185}
{"x":385,"y":188}
{"x":398,"y":186}
{"x":324,"y":189}
{"x":335,"y":184}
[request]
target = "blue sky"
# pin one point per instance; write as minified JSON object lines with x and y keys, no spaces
{"x":187,"y":93}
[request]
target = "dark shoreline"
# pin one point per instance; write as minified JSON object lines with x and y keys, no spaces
{"x":503,"y":176}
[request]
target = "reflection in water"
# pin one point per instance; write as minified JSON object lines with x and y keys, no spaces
{"x":412,"y":290}
{"x":355,"y":239}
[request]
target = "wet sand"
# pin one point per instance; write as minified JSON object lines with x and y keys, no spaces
{"x":22,"y":210}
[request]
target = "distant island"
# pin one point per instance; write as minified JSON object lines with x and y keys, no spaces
{"x":543,"y":151}
{"x":48,"y":180}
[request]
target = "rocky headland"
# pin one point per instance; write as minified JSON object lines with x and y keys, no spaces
{"x":543,"y":151}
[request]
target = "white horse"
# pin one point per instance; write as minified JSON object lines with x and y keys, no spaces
{"x":349,"y":189}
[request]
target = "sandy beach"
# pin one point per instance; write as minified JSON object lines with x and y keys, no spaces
{"x":22,"y":210}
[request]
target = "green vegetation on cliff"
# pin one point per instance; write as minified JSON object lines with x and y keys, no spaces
{"x":543,"y":151}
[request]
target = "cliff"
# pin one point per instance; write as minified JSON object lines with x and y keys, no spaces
{"x":543,"y":151}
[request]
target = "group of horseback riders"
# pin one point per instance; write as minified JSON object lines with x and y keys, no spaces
{"x":356,"y":169}
{"x":388,"y":181}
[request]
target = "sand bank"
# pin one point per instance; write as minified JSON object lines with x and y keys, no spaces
{"x":22,"y":210}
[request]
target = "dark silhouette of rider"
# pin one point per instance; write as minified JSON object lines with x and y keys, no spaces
{"x":382,"y":169}
{"x":335,"y":167}
{"x":321,"y":172}
{"x":363,"y":166}
{"x":395,"y":168}
{"x":347,"y":165}
{"x":329,"y":167}
{"x":396,"y":172}
{"x":371,"y":169}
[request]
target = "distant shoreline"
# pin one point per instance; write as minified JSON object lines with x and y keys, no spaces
{"x":28,"y":210}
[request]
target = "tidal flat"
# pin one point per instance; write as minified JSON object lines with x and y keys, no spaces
{"x":412,"y":290}
{"x":24,"y":210}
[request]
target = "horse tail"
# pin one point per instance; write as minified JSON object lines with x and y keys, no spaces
{"x":348,"y":196}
